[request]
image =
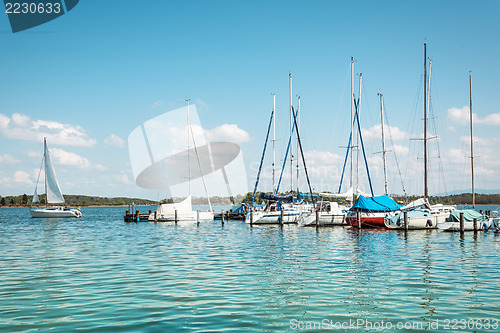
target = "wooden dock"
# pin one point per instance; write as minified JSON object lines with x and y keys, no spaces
{"x":136,"y":216}
{"x":229,"y":216}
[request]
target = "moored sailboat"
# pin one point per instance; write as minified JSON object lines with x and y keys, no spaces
{"x":183,"y":211}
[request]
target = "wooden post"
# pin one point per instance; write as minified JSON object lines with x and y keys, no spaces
{"x":281,"y":217}
{"x":156,"y":219}
{"x":175,"y":216}
{"x":198,"y":217}
{"x":475,"y":226}
{"x":461,"y":223}
{"x":251,"y":216}
{"x":222,"y":217}
{"x":137,"y":216}
{"x":358,"y":219}
{"x":317,"y":219}
{"x":405,"y":215}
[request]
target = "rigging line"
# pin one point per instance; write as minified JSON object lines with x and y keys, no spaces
{"x":349,"y":146}
{"x":303,"y":159}
{"x":285,"y":160}
{"x":262,"y":158}
{"x":339,"y":107}
{"x":199,"y":165}
{"x":440,"y":161}
{"x":38,"y":178}
{"x":345,"y":162}
{"x":394,"y":150}
{"x":363,"y":148}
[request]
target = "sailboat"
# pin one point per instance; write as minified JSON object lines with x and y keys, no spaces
{"x":53,"y":193}
{"x":452,"y":223}
{"x":183,"y":211}
{"x":420,"y":214}
{"x":280,"y":209}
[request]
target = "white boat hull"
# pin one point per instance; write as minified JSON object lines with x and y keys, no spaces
{"x":187,"y":217}
{"x":416,"y":223}
{"x":55,"y":212}
{"x":324,"y":219}
{"x":272,"y":217}
{"x":468,"y":226}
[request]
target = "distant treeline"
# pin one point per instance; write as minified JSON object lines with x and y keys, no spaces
{"x":74,"y":200}
{"x":85,"y":200}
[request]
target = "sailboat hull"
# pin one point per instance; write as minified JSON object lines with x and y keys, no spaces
{"x":324,"y":219}
{"x":371,"y":219}
{"x":55,"y":212}
{"x":272,"y":217}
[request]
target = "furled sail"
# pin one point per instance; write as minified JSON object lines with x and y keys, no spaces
{"x":54,"y":194}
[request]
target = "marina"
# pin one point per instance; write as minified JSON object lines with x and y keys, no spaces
{"x":63,"y":275}
{"x":249,"y":166}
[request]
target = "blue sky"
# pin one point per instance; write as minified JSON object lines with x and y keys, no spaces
{"x":88,"y":78}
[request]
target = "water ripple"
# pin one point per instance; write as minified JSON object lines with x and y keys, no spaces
{"x":99,"y":274}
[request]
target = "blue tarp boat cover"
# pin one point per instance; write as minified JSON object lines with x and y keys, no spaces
{"x":275,"y":197}
{"x":469,"y":215}
{"x":376,"y":204}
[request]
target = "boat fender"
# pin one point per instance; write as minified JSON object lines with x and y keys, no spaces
{"x":429,"y":223}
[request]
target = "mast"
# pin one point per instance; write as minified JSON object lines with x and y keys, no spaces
{"x":45,"y":173}
{"x":358,"y":134}
{"x":274,"y":143}
{"x":298,"y":124}
{"x":189,"y":147}
{"x":471,"y":143}
{"x":352,"y":114}
{"x":291,"y":132}
{"x":426,"y":191}
{"x":383,"y":140}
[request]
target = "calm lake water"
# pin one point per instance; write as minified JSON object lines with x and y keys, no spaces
{"x":99,"y":274}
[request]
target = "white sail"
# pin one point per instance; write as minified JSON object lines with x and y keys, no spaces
{"x":54,"y":194}
{"x":35,"y":197}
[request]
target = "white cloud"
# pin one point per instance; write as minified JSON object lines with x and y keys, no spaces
{"x":462,"y":116}
{"x":400,"y":150}
{"x":63,"y":157}
{"x":114,"y":141}
{"x":22,"y":177}
{"x":375,"y":133}
{"x":458,"y":116}
{"x":491,"y":119}
{"x":228,"y":133}
{"x":122,"y":177}
{"x":8,"y":159}
{"x":22,"y":127}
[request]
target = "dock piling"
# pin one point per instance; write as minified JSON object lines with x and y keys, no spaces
{"x":175,"y":216}
{"x":281,"y":218}
{"x":475,"y":225}
{"x":317,"y":219}
{"x":198,"y":217}
{"x":222,"y":217}
{"x":461,"y":224}
{"x":405,"y":215}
